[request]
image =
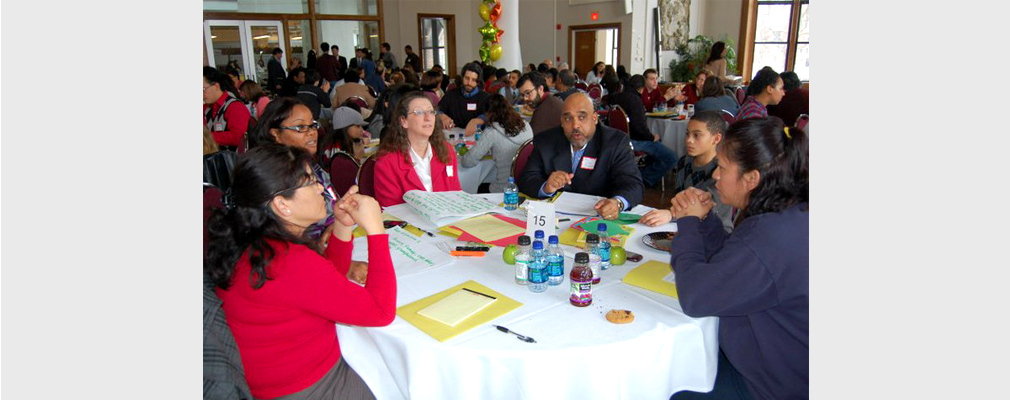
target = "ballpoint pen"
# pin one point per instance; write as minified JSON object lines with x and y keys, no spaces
{"x":526,"y":339}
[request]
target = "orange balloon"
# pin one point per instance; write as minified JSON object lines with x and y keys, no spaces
{"x":495,"y":12}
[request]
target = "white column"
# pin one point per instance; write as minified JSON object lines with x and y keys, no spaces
{"x":509,"y":21}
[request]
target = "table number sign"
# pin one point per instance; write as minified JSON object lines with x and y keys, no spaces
{"x":540,"y":215}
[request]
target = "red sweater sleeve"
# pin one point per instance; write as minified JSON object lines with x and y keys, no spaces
{"x":388,"y":183}
{"x":321,"y":289}
{"x":237,"y":116}
{"x":339,"y":252}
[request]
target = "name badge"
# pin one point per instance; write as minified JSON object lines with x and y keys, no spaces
{"x":218,"y":126}
{"x":471,"y":106}
{"x":448,"y":170}
{"x":588,"y":163}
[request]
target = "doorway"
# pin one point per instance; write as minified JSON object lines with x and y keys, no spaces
{"x":244,"y":42}
{"x":589,"y":44}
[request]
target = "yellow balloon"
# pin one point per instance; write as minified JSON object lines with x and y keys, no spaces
{"x":485,"y":12}
{"x":496,"y":52}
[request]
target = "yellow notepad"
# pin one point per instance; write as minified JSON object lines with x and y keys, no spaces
{"x":457,"y":306}
{"x":655,"y":276}
{"x":488,"y":229}
{"x":443,"y":332}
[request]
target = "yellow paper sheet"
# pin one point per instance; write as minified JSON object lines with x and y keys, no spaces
{"x":576,"y":238}
{"x":650,"y":276}
{"x":487,"y":228}
{"x":456,"y":307}
{"x":443,"y":332}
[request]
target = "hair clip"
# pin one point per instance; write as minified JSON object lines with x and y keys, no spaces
{"x":788,"y":135}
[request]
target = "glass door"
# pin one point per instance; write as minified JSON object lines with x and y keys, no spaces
{"x":262,"y":38}
{"x":246,"y":43}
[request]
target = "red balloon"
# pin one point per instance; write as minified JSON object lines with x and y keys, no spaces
{"x":495,"y":12}
{"x":497,"y":36}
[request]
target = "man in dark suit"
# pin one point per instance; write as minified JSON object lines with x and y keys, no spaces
{"x":584,"y":156}
{"x":275,"y":71}
{"x":341,"y":62}
{"x":359,"y":55}
{"x":412,"y":59}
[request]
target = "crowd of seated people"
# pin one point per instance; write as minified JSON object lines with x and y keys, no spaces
{"x":739,"y":186}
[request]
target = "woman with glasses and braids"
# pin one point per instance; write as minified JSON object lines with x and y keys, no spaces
{"x":282,"y":290}
{"x":755,"y":279}
{"x":414,"y":154}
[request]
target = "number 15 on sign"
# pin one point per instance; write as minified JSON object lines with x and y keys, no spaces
{"x":540,"y":215}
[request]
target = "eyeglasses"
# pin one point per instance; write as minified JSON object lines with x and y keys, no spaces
{"x":528,"y":93}
{"x":207,"y":87}
{"x":420,"y":113}
{"x":313,"y":180}
{"x":302,"y":128}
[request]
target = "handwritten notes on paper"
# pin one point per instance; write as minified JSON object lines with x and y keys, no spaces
{"x":447,"y":207}
{"x":407,"y":249}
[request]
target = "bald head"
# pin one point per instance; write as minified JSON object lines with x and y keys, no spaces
{"x":578,"y":119}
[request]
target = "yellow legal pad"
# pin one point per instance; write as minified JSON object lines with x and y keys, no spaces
{"x":654,"y":276}
{"x":442,"y":332}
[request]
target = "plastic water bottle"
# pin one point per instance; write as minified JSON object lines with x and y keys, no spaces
{"x":523,"y":260}
{"x":593,"y":248}
{"x":476,"y":136}
{"x":538,"y":235}
{"x":555,"y":262}
{"x":538,"y":268}
{"x":581,"y":294}
{"x":601,"y":231}
{"x":511,"y":195}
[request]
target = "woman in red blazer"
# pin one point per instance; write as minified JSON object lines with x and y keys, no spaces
{"x":414,"y":154}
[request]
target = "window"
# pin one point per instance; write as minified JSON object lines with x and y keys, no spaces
{"x":436,"y":36}
{"x":779,"y":34}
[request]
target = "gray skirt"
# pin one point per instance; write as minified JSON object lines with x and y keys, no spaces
{"x":341,"y":382}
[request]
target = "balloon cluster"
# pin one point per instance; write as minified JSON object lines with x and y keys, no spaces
{"x":490,"y":49}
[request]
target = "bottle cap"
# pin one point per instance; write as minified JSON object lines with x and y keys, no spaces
{"x":524,"y":240}
{"x":538,"y":245}
{"x":581,"y":257}
{"x":592,"y":238}
{"x":539,"y":234}
{"x":512,"y":180}
{"x":553,"y":239}
{"x":601,"y":227}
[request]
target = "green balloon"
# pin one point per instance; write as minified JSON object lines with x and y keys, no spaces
{"x":485,"y":55}
{"x":487,"y":32}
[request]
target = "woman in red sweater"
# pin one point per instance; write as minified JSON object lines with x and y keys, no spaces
{"x":283,"y":291}
{"x":414,"y":154}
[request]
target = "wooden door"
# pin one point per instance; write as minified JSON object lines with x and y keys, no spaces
{"x":585,"y":52}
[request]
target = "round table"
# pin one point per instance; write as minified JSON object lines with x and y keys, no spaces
{"x":577,"y":354}
{"x":671,"y":132}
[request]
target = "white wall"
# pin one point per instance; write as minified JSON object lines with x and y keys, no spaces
{"x":539,"y":37}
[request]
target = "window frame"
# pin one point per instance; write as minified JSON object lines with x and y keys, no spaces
{"x":450,"y":41}
{"x":748,"y":35}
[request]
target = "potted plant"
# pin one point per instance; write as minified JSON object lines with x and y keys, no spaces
{"x":691,"y":57}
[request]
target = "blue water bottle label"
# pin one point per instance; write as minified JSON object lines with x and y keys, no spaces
{"x":557,"y":267}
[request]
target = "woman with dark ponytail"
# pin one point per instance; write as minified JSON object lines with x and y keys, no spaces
{"x":283,"y":290}
{"x":755,"y":279}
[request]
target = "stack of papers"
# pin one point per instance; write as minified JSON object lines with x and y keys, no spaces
{"x":441,"y":208}
{"x":495,"y":229}
{"x":576,"y":204}
{"x":457,"y":306}
{"x":442,"y":331}
{"x":654,"y":276}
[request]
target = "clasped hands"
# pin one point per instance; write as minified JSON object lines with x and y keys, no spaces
{"x":691,"y":202}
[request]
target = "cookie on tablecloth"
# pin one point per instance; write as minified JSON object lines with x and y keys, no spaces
{"x":620,"y":316}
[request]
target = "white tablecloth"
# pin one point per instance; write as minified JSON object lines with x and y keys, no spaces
{"x":671,"y":133}
{"x":578,"y":353}
{"x":471,"y":177}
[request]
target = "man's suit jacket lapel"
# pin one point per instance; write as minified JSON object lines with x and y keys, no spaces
{"x":583,"y":177}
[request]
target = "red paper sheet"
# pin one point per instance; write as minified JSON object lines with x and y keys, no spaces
{"x":466,"y":237}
